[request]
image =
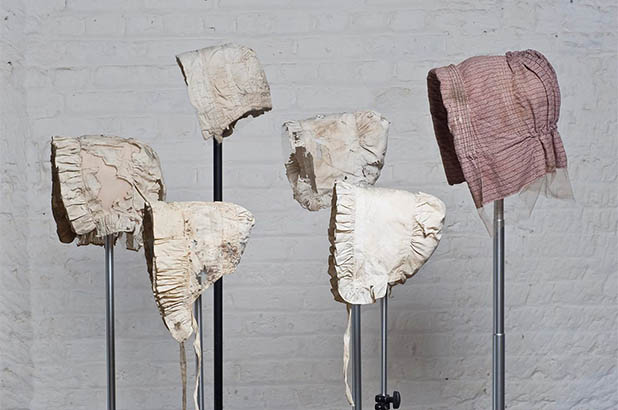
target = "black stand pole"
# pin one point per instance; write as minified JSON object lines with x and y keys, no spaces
{"x":218,"y":291}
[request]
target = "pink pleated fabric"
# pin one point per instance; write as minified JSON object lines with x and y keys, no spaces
{"x":495,"y":120}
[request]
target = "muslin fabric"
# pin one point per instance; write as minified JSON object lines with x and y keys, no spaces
{"x":379,"y":238}
{"x":225,"y":83}
{"x":495,"y":120}
{"x":333,"y":147}
{"x":181,"y":240}
{"x":100,"y":185}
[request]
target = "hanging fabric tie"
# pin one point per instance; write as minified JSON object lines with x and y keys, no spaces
{"x":379,"y":238}
{"x":181,"y":240}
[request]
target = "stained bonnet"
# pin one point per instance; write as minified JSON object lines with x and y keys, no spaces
{"x":335,"y":147}
{"x":181,"y":240}
{"x":225,"y":83}
{"x":100,"y":185}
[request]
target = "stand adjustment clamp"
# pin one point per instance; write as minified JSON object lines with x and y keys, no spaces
{"x":383,"y":402}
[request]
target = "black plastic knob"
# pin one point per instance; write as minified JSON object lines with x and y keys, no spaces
{"x":396,"y":399}
{"x":383,"y":402}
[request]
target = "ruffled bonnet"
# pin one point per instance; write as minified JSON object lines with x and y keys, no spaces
{"x":379,"y":238}
{"x":100,"y":185}
{"x":181,"y":240}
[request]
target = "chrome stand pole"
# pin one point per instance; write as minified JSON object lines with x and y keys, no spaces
{"x":384,"y":314}
{"x":498,"y":308}
{"x":384,"y":400}
{"x":356,"y":354}
{"x":109,"y":322}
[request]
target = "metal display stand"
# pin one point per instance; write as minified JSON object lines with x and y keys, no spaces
{"x":109,"y":322}
{"x":217,"y":302}
{"x":498,"y":351}
{"x":357,"y":392}
{"x":384,"y":400}
{"x":218,"y":291}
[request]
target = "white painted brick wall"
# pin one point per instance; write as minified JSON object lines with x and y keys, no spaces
{"x":92,"y":66}
{"x":16,"y":365}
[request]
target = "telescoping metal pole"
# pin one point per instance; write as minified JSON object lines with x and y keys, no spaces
{"x":498,"y":310}
{"x":109,"y":322}
{"x":218,"y":288}
{"x":356,"y":355}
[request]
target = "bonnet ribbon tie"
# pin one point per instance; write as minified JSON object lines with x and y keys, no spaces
{"x":346,"y":357}
{"x":198,"y":353}
{"x":183,"y":374}
{"x":183,"y":366}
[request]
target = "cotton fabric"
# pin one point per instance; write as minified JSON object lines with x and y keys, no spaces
{"x":100,"y":185}
{"x":379,"y":238}
{"x":225,"y":83}
{"x":495,"y":120}
{"x":183,"y":239}
{"x":334,"y":147}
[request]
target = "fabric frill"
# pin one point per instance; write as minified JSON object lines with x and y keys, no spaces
{"x":79,"y":213}
{"x":66,"y":164}
{"x":341,"y":261}
{"x":428,"y":213}
{"x":182,"y":240}
{"x":342,"y":238}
